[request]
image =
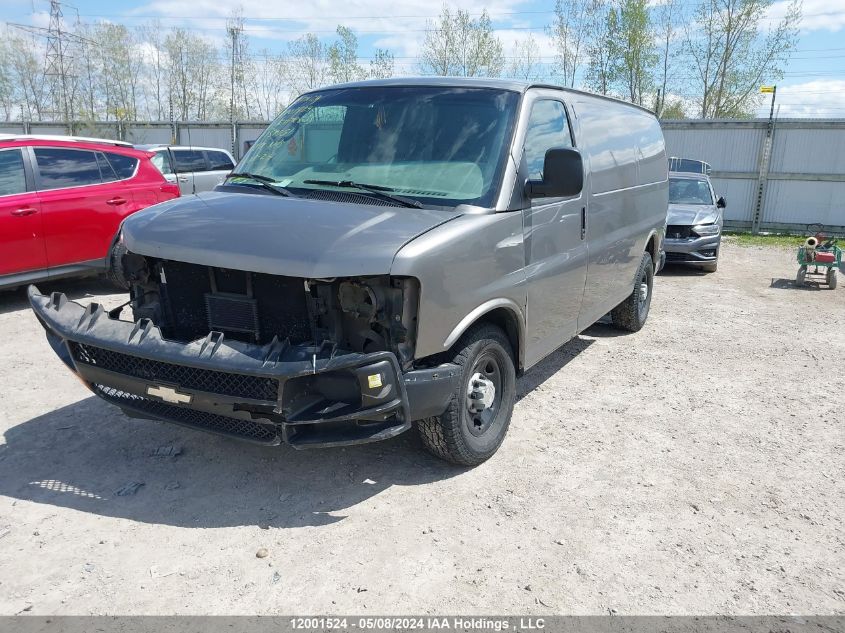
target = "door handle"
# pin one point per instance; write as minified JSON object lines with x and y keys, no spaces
{"x":583,"y":222}
{"x":24,"y":211}
{"x":116,"y":201}
{"x":183,"y":179}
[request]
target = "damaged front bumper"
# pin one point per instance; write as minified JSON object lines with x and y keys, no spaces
{"x":298,"y":394}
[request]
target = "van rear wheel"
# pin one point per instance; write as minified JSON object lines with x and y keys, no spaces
{"x":632,"y":313}
{"x":474,"y":425}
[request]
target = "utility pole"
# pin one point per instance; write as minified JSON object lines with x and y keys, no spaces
{"x":233,"y":32}
{"x":765,"y":160}
{"x":58,"y":61}
{"x":234,"y":28}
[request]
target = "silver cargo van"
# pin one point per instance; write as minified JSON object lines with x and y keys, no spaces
{"x":388,"y":254}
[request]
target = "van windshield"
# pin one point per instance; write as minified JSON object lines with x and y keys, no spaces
{"x":441,"y":146}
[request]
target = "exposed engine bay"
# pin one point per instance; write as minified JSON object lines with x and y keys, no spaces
{"x":357,"y":314}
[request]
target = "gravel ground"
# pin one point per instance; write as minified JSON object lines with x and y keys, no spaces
{"x":693,"y":468}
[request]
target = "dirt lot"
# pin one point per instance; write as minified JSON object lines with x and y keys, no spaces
{"x":693,"y":468}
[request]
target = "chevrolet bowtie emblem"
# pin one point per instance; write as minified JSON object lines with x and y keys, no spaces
{"x":168,"y":394}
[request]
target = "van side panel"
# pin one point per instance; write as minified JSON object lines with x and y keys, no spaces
{"x":625,"y":156}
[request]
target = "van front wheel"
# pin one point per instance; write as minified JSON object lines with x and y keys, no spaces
{"x":115,"y":270}
{"x":474,"y":425}
{"x":631,"y":314}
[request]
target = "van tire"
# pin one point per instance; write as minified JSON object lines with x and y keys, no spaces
{"x":483,"y":350}
{"x":115,"y":271}
{"x":632,"y":313}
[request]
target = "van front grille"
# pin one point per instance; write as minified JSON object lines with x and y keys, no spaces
{"x":243,"y":429}
{"x":246,"y":306}
{"x":191,"y":378}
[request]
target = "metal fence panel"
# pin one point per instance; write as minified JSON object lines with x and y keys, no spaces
{"x":47,"y":129}
{"x":814,"y":151}
{"x":803,"y":202}
{"x":149,"y":133}
{"x":726,"y":147}
{"x":210,"y":135}
{"x":739,"y":194}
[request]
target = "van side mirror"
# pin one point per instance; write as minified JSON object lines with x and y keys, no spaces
{"x":720,"y":203}
{"x":563,"y":175}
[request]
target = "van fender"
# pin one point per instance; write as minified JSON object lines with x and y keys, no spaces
{"x":485,"y":308}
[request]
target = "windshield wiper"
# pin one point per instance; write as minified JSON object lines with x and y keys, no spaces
{"x":263,"y":181}
{"x":378,"y":190}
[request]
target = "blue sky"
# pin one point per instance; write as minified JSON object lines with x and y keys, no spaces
{"x":814,"y":84}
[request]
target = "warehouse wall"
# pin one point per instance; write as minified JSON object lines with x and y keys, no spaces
{"x":805,"y":181}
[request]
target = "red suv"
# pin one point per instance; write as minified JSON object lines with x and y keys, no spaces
{"x":62,"y":200}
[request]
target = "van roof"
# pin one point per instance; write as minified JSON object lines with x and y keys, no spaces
{"x":514,"y":85}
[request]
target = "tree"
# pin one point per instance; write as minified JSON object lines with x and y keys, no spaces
{"x":669,"y":16}
{"x":193,"y":69}
{"x":573,"y":20}
{"x":26,"y":74}
{"x":307,"y":64}
{"x":343,"y":57}
{"x":155,"y":85}
{"x":459,"y":45}
{"x":525,"y":62}
{"x":732,"y":54}
{"x":270,"y":88}
{"x":382,"y":64}
{"x":122,"y":69}
{"x":637,"y":57}
{"x":7,"y":88}
{"x":674,"y":110}
{"x":602,"y":47}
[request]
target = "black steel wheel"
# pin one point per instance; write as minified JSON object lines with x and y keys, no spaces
{"x":474,"y":425}
{"x":632,"y":313}
{"x":115,"y":272}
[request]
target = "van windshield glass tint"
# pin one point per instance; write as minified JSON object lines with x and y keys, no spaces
{"x":443,"y":146}
{"x":689,"y":191}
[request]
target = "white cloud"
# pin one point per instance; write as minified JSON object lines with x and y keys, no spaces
{"x":818,"y":15}
{"x":819,"y":99}
{"x":404,"y":19}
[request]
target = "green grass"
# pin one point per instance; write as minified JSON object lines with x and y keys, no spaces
{"x":747,"y":239}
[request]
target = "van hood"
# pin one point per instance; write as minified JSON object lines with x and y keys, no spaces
{"x":278,"y":236}
{"x":692,"y":214}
